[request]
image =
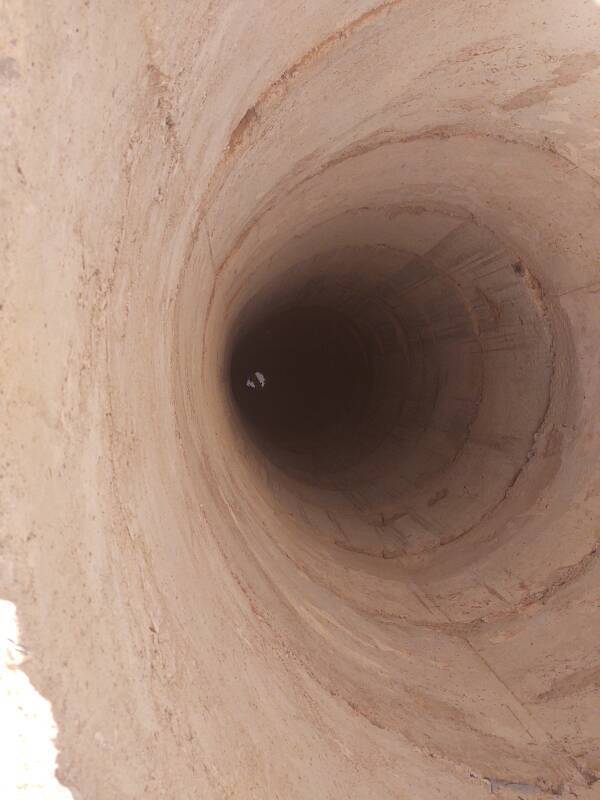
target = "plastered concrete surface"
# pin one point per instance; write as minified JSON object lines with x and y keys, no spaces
{"x":202,"y":624}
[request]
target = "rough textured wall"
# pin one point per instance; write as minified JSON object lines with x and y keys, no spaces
{"x":205,"y":621}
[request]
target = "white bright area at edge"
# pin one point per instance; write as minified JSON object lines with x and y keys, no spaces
{"x":27,"y":727}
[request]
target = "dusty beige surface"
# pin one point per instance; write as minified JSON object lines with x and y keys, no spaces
{"x":204,"y":624}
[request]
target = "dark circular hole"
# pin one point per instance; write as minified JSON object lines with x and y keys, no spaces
{"x":301,"y":379}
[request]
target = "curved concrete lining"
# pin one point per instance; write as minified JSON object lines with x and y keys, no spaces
{"x":406,"y":602}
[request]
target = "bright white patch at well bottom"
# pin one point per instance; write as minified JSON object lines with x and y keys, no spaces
{"x":260,"y":379}
{"x":27,"y":727}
